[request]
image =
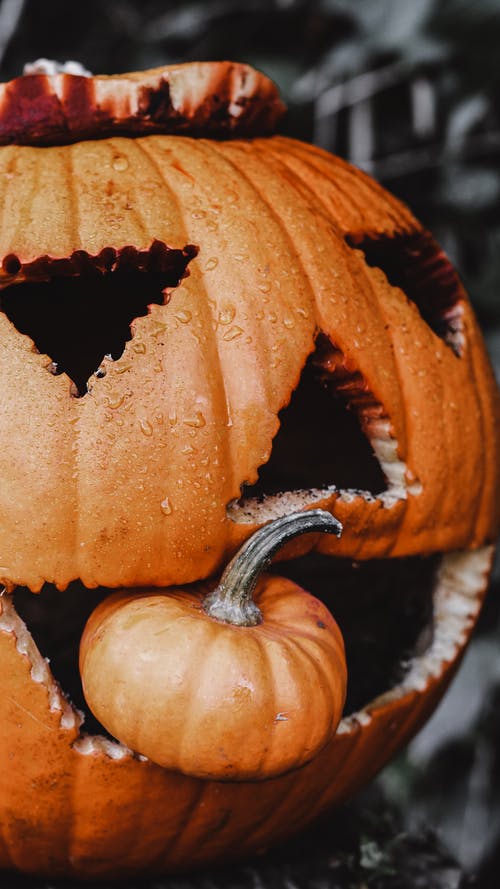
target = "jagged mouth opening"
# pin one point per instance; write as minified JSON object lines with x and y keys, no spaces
{"x":404,"y":622}
{"x":384,"y":609}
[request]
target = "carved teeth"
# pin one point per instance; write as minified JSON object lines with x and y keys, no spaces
{"x":10,"y":622}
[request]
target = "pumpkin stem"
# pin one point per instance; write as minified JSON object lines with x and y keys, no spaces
{"x":232,"y":600}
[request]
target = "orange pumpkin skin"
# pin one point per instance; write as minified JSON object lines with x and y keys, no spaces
{"x":203,"y":381}
{"x":204,"y":377}
{"x":210,"y":699}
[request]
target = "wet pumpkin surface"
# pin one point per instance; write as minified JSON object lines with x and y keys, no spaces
{"x":367,"y":844}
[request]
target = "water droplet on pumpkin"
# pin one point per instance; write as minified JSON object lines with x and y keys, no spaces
{"x":232,"y":334}
{"x":198,"y":420}
{"x":272,"y":317}
{"x":289,"y":323}
{"x":121,"y":368}
{"x":211,"y":263}
{"x":183,"y":316}
{"x":226,"y":315}
{"x":240,"y":257}
{"x":265,"y":287}
{"x":165,"y":506}
{"x":120,"y":164}
{"x":158,"y":328}
{"x":115,"y":400}
{"x":146,"y":427}
{"x":188,"y":449}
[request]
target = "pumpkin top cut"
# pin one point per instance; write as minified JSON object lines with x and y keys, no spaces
{"x":217,"y":99}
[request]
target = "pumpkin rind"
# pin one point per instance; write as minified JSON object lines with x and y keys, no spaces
{"x":229,"y":348}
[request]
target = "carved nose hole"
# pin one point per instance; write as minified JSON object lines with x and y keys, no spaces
{"x":320,"y":441}
{"x":78,"y":318}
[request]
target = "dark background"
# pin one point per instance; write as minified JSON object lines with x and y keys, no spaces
{"x":409,"y":91}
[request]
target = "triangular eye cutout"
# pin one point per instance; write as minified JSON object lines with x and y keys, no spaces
{"x":78,"y":317}
{"x":416,"y":264}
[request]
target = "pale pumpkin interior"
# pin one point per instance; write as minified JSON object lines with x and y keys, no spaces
{"x":384,"y":608}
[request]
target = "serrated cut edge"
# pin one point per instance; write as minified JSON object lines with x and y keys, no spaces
{"x":10,"y":622}
{"x":460,"y":579}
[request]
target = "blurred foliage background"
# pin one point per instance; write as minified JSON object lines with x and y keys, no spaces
{"x":409,"y":91}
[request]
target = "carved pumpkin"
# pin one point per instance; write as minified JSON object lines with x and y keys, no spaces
{"x":183,"y":321}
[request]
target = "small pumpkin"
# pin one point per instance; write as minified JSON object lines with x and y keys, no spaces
{"x":221,"y":686}
{"x":183,"y":319}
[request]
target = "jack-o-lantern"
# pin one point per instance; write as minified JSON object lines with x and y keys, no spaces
{"x":207,"y":329}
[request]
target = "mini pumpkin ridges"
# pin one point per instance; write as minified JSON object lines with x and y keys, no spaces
{"x":220,"y":361}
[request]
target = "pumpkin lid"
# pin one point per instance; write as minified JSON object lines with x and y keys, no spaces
{"x":220,"y":99}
